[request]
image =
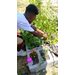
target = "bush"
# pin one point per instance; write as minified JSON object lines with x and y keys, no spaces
{"x":46,"y":21}
{"x":30,"y":40}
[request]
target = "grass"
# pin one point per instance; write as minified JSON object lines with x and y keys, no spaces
{"x":21,"y":66}
{"x":21,"y":5}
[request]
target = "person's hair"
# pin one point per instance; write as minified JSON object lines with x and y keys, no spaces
{"x":31,"y":8}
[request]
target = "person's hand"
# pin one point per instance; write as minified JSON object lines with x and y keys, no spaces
{"x":44,"y":36}
{"x":45,"y":33}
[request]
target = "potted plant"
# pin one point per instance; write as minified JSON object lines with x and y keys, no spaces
{"x":34,"y":56}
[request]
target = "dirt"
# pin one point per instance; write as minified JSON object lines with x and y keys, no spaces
{"x":35,"y":61}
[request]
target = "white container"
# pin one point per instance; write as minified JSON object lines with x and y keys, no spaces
{"x":36,"y":48}
{"x":48,"y":63}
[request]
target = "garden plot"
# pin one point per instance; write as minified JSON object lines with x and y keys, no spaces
{"x":46,"y":63}
{"x":54,"y":53}
{"x":33,"y":67}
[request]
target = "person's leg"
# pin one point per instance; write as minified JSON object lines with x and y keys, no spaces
{"x":19,"y":43}
{"x":19,"y":36}
{"x":24,"y":48}
{"x":20,"y":50}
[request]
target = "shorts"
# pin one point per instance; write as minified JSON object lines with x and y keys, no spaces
{"x":19,"y":43}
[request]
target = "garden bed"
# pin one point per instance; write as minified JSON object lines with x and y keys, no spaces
{"x":36,"y":48}
{"x":54,"y":53}
{"x":35,"y":61}
{"x":39,"y":47}
{"x":46,"y":55}
{"x":50,"y":58}
{"x":48,"y":62}
{"x":31,"y":65}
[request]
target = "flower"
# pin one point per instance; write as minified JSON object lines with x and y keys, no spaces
{"x":36,"y":52}
{"x":33,"y":54}
{"x":22,"y":45}
{"x":17,"y":33}
{"x":33,"y":49}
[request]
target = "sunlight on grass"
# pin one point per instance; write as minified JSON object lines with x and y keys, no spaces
{"x":21,"y":5}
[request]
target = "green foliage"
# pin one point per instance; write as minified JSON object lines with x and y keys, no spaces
{"x":42,"y":61}
{"x":47,"y":20}
{"x":30,"y":40}
{"x":47,"y":48}
{"x":33,"y":54}
{"x":19,"y":72}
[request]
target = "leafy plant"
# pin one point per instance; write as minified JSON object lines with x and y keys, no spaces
{"x":30,"y":40}
{"x":47,"y":20}
{"x":47,"y":48}
{"x":33,"y":54}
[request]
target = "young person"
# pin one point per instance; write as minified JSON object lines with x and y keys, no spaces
{"x":24,"y":22}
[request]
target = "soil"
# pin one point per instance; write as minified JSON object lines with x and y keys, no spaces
{"x":35,"y":61}
{"x":47,"y":56}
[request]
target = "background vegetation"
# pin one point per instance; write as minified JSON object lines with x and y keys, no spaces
{"x":46,"y":21}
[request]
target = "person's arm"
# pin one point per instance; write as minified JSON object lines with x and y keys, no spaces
{"x":36,"y":34}
{"x":37,"y":30}
{"x":40,"y":34}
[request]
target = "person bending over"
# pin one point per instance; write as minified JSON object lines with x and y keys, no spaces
{"x":24,"y":21}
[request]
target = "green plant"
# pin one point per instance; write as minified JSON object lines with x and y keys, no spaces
{"x":47,"y":48}
{"x":42,"y":61}
{"x":47,"y":20}
{"x":19,"y":72}
{"x":33,"y":54}
{"x":30,"y":40}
